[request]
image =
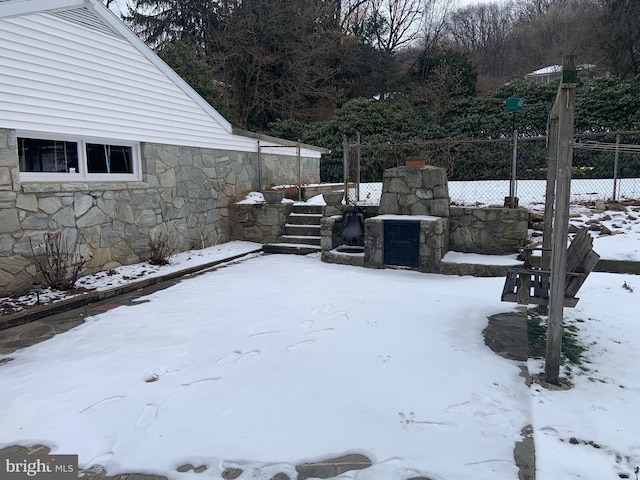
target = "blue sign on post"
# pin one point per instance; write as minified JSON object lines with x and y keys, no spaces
{"x":514,"y":105}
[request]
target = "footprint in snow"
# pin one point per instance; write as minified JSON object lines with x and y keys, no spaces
{"x":101,"y":404}
{"x":147,"y":417}
{"x":198,"y":382}
{"x":229,"y":358}
{"x":246,"y":355}
{"x":299,"y":344}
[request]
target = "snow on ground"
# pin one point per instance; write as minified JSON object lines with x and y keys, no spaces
{"x":477,"y":259}
{"x":591,"y":430}
{"x":129,"y":273}
{"x":624,"y":241}
{"x":530,"y":193}
{"x":267,"y":364}
{"x":278,"y":360}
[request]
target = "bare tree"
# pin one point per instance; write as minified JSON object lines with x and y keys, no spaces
{"x":278,"y":59}
{"x":485,"y":31}
{"x":435,"y":14}
{"x":395,"y":23}
{"x":564,"y":27}
{"x":354,"y":15}
{"x":620,"y":37}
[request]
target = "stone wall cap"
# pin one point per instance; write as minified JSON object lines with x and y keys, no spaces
{"x":416,"y":218}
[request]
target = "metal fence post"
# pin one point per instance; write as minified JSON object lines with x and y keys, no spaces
{"x":299,"y":171}
{"x":615,"y":169}
{"x":358,"y":158}
{"x":345,"y":167}
{"x":259,"y":167}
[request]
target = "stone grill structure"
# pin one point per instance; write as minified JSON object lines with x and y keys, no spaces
{"x":420,"y":194}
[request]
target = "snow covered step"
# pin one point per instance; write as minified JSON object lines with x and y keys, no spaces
{"x":459,"y":263}
{"x":304,"y":239}
{"x":291,"y":248}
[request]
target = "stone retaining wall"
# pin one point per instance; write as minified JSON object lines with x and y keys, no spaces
{"x":185,"y":191}
{"x":258,"y":222}
{"x":489,"y":231}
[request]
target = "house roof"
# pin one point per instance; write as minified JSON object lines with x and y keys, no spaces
{"x":548,"y":70}
{"x":73,"y":67}
{"x":558,"y":69}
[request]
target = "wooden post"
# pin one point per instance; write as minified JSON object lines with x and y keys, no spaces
{"x":565,"y":101}
{"x":550,"y":196}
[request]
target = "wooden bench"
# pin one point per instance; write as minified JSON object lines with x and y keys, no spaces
{"x":527,"y":285}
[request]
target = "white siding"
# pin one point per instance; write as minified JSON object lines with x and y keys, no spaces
{"x":68,"y":73}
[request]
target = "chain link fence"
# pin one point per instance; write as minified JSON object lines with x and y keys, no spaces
{"x":280,"y":166}
{"x":479,"y":170}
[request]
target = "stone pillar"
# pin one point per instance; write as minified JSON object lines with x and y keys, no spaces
{"x":415,"y":191}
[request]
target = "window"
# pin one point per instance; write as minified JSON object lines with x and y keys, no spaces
{"x":108,"y":159}
{"x":47,"y":155}
{"x":68,"y":159}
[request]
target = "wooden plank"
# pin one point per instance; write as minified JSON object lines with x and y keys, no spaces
{"x":523,"y":292}
{"x":510,"y":286}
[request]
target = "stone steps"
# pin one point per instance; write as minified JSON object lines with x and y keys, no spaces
{"x":304,"y":239}
{"x":304,"y":218}
{"x":290,"y":248}
{"x":301,"y":230}
{"x":301,"y":234}
{"x":307,"y":209}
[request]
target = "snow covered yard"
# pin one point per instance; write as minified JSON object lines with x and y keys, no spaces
{"x":280,"y":360}
{"x":591,"y":430}
{"x":275,"y":361}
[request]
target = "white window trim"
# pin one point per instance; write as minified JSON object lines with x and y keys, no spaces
{"x":83,"y":175}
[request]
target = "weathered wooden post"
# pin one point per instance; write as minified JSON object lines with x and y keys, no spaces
{"x":550,"y":195}
{"x":564,"y":104}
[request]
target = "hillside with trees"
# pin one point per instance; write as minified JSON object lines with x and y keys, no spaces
{"x":397,"y":70}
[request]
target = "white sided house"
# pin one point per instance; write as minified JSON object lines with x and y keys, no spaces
{"x":102,"y":141}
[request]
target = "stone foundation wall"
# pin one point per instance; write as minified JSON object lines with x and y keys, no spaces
{"x":489,"y":231}
{"x":261,"y":223}
{"x":185,"y":191}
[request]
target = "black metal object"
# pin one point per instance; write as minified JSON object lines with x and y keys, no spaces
{"x":352,"y":232}
{"x":402,"y":243}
